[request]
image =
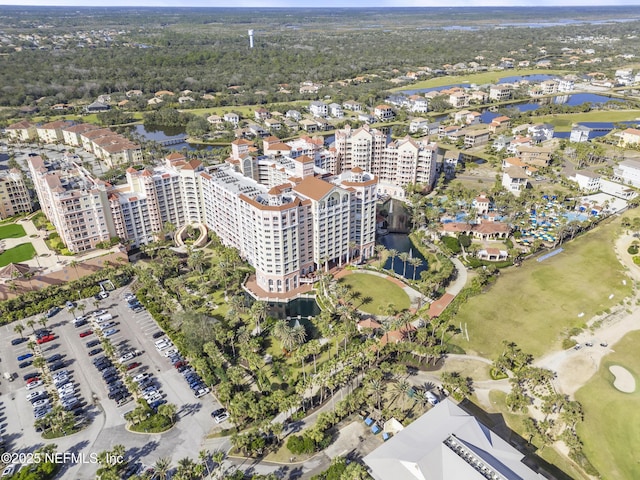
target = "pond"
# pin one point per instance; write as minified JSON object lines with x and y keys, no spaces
{"x":162,"y":133}
{"x":402,"y":243}
{"x":532,"y":78}
{"x":304,"y":306}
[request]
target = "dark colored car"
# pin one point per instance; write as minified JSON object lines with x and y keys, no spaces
{"x":95,"y":351}
{"x":158,"y":334}
{"x":18,"y":341}
{"x":43,"y":333}
{"x":52,"y":311}
{"x":24,"y":356}
{"x":133,"y":365}
{"x":25,"y":364}
{"x":56,"y":366}
{"x":217,"y":412}
{"x":93,"y":343}
{"x":54,"y":358}
{"x":31,"y":375}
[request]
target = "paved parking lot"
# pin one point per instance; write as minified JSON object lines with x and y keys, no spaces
{"x":107,"y":427}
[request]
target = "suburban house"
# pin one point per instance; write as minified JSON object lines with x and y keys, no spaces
{"x":309,"y":125}
{"x":335,"y":110}
{"x":629,"y":136}
{"x":447,"y":443}
{"x":500,"y":93}
{"x":383,"y":112}
{"x":294,"y":115}
{"x":515,"y":180}
{"x":418,"y":104}
{"x":231,"y":117}
{"x":580,"y":133}
{"x":492,"y":254}
{"x":499,"y":123}
{"x":261,"y":114}
{"x":459,"y":99}
{"x":532,"y":155}
{"x":628,"y":172}
{"x":97,"y":107}
{"x":476,"y":138}
{"x":272,"y":124}
{"x":588,"y":182}
{"x":319,"y":109}
{"x":418,"y":124}
{"x":352,"y":106}
{"x":481,"y":204}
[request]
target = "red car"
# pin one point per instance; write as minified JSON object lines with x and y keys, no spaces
{"x":133,"y":365}
{"x":180,"y":363}
{"x":33,"y":379}
{"x":45,"y":339}
{"x":86,"y":333}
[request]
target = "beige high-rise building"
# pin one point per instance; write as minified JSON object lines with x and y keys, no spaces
{"x":14,"y":195}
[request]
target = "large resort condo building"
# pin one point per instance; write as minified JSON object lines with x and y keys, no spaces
{"x":287,"y":217}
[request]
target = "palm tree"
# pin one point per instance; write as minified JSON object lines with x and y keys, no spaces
{"x":168,"y":410}
{"x":393,"y":253}
{"x":259,"y":311}
{"x":204,"y":456}
{"x":375,"y":388}
{"x":416,"y":263}
{"x":290,"y":337}
{"x":404,"y":256}
{"x":75,"y":264}
{"x":185,"y":468}
{"x":30,"y":323}
{"x":43,"y":321}
{"x":379,"y":249}
{"x":18,"y":328}
{"x":162,"y":467}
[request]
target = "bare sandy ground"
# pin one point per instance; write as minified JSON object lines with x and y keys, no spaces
{"x":624,"y":379}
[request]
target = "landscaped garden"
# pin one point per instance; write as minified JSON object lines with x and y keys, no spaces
{"x":12,"y":230}
{"x":380,"y":291}
{"x":538,"y":304}
{"x":610,"y":432}
{"x":17,"y":254}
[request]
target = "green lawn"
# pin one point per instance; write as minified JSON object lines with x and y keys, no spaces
{"x":610,"y":431}
{"x":563,"y":121}
{"x":381,"y":291}
{"x":12,"y":230}
{"x":17,"y":254}
{"x":537,"y":304}
{"x":479,"y":78}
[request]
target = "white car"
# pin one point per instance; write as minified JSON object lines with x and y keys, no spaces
{"x":66,"y":389}
{"x":35,"y":394}
{"x":140,"y":377}
{"x":61,"y":373}
{"x":171,"y":351}
{"x":126,"y":357}
{"x":202,"y":392}
{"x":36,"y":384}
{"x":153,"y":398}
{"x":222,"y":417}
{"x":164,"y":346}
{"x":41,"y":403}
{"x":58,"y":382}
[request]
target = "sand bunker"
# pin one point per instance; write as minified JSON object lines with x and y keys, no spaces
{"x":624,"y":380}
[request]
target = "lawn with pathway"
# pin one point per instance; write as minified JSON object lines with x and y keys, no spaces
{"x":537,"y":304}
{"x":13,"y":230}
{"x":381,"y":291}
{"x":17,"y":254}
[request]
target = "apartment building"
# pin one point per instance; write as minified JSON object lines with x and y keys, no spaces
{"x":22,"y":131}
{"x":500,"y":93}
{"x":76,"y":204}
{"x":14,"y":195}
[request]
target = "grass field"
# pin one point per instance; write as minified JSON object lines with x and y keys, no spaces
{"x":12,"y":230}
{"x":537,"y":304}
{"x":381,"y":291}
{"x":478,"y":78}
{"x":563,"y":121}
{"x":17,"y":254}
{"x":610,"y":431}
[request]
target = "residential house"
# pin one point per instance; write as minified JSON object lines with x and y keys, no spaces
{"x":580,"y":133}
{"x":261,"y":114}
{"x":499,"y":123}
{"x":418,"y":104}
{"x":335,"y":110}
{"x":481,"y":204}
{"x":366,"y":118}
{"x":549,"y":87}
{"x":500,"y":93}
{"x":532,"y":155}
{"x":294,"y":115}
{"x":352,"y":106}
{"x":515,"y":180}
{"x":475,"y":138}
{"x":541,"y":132}
{"x":566,"y":84}
{"x":589,"y":182}
{"x":319,"y":109}
{"x":272,"y":124}
{"x":309,"y":126}
{"x":628,"y":172}
{"x":459,"y":99}
{"x":232,"y":118}
{"x":478,"y":96}
{"x":383,"y":112}
{"x":629,"y":136}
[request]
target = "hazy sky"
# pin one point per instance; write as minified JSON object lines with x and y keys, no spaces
{"x":316,"y":3}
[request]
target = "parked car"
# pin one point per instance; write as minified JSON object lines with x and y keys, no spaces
{"x":41,"y":403}
{"x":36,"y":394}
{"x":52,"y":311}
{"x":54,"y":358}
{"x":36,"y":384}
{"x":93,"y":343}
{"x":18,"y":341}
{"x":25,"y":364}
{"x":102,"y":295}
{"x":133,"y":365}
{"x":140,"y":377}
{"x":158,"y":334}
{"x":111,"y":331}
{"x":86,"y":333}
{"x":24,"y":356}
{"x":70,"y":304}
{"x":201,"y":392}
{"x":222,"y":417}
{"x":45,"y":339}
{"x":56,"y":366}
{"x":95,"y":351}
{"x":30,"y":375}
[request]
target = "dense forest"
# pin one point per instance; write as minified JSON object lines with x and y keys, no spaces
{"x":65,"y":55}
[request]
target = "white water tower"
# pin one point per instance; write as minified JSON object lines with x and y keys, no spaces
{"x":250,"y":38}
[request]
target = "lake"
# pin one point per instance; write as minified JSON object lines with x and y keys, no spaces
{"x":402,"y":243}
{"x":162,"y":133}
